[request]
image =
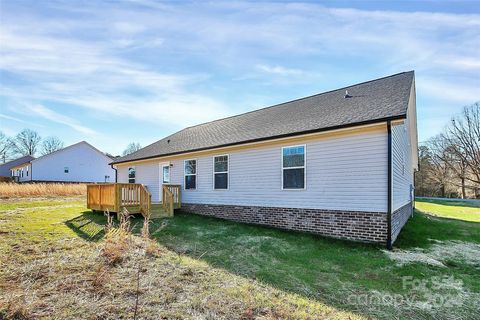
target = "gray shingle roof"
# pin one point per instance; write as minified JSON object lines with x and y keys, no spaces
{"x":372,"y":101}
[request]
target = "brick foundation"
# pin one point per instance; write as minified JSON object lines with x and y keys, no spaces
{"x":399,"y":218}
{"x":351,"y":225}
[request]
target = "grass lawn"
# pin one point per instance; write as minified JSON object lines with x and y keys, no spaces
{"x":209,"y":268}
{"x":467,"y":211}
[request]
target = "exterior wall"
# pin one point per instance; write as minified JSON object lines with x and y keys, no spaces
{"x":400,"y":218}
{"x":345,"y":172}
{"x":147,"y":174}
{"x":85,"y":164}
{"x":401,"y":166}
{"x":362,"y":226}
{"x":23,"y":173}
{"x":404,"y":149}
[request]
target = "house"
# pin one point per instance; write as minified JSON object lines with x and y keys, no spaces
{"x":339,"y":163}
{"x":5,"y":169}
{"x":80,"y":162}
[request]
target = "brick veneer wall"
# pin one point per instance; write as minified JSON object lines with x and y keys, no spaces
{"x":399,"y":218}
{"x":352,"y":225}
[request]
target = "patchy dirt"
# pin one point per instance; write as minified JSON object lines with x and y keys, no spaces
{"x":438,"y":254}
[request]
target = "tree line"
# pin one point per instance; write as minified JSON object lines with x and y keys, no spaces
{"x":27,"y":142}
{"x":450,"y":161}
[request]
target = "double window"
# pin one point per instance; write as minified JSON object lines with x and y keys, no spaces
{"x":220,"y":172}
{"x":293,"y":167}
{"x":131,"y":175}
{"x":190,"y":174}
{"x":65,"y":169}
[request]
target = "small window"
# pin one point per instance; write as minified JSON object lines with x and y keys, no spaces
{"x":190,"y":174}
{"x":131,"y":175}
{"x":220,"y":172}
{"x":65,"y":169}
{"x":293,"y":167}
{"x":22,"y":172}
{"x":27,"y":171}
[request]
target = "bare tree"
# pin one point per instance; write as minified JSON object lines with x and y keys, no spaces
{"x":463,"y":136}
{"x":51,"y":144}
{"x":26,"y":142}
{"x":440,"y":171}
{"x":5,"y":147}
{"x":131,"y":148}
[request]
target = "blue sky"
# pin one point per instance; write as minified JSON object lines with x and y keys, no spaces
{"x":114,"y":72}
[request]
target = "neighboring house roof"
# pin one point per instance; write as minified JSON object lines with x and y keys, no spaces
{"x":368,"y":102}
{"x":69,"y":147}
{"x":5,"y":168}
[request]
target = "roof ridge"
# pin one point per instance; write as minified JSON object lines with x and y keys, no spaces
{"x":293,"y":100}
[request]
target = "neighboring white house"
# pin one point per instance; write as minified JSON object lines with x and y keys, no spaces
{"x":339,"y":163}
{"x":80,"y":162}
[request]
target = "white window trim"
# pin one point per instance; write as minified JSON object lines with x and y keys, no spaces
{"x":128,"y":174}
{"x":160,"y":172}
{"x":191,"y":174}
{"x":227,"y":172}
{"x":303,"y":167}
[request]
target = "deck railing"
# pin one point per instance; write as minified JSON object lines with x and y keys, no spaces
{"x":171,"y":198}
{"x":114,"y":196}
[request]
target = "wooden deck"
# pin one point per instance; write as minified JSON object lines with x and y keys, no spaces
{"x":134,"y":197}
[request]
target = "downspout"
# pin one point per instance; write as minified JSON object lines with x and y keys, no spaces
{"x":116,"y":172}
{"x":389,"y":183}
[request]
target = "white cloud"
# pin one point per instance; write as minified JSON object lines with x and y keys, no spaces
{"x":51,"y":115}
{"x":279,"y":70}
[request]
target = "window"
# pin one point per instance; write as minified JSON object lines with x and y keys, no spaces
{"x":65,"y":169}
{"x":27,"y":171}
{"x":293,"y":167}
{"x":190,"y":174}
{"x":166,"y":173}
{"x":220,"y":172}
{"x":22,"y":172}
{"x":131,"y":175}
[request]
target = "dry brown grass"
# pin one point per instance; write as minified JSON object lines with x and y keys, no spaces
{"x":19,"y":190}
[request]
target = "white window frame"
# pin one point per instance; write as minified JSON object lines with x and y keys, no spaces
{"x":304,"y":167}
{"x":163,"y":165}
{"x":190,"y":174}
{"x":227,"y":172}
{"x":128,"y":174}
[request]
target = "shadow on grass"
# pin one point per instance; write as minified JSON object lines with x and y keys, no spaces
{"x":316,"y":267}
{"x":89,"y":225}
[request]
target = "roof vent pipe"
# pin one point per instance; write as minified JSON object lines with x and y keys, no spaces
{"x":347,"y":95}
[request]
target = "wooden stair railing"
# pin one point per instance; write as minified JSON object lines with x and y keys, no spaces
{"x":171,"y":198}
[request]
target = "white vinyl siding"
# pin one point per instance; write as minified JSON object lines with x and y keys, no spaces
{"x":402,"y":167}
{"x":344,"y":172}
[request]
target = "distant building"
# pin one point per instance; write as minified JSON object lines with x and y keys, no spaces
{"x":5,"y":168}
{"x":80,"y":162}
